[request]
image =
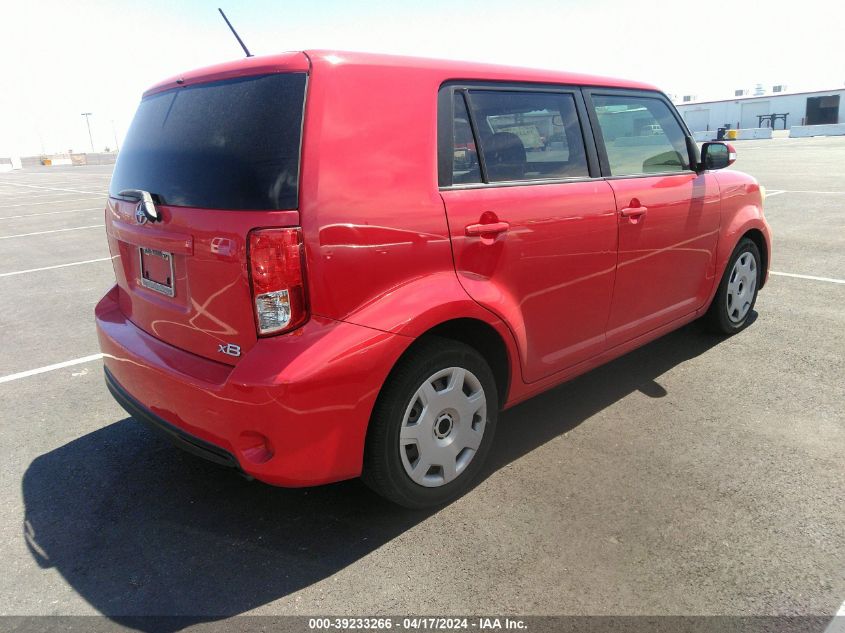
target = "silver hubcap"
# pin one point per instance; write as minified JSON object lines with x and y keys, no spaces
{"x":741,"y":287}
{"x":443,"y":427}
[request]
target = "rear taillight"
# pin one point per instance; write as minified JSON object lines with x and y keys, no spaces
{"x":278,"y":286}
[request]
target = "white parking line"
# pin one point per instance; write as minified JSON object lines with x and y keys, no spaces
{"x":774,"y":193}
{"x":32,"y":215}
{"x":53,"y":184}
{"x":810,"y":277}
{"x":75,"y":228}
{"x":20,"y":184}
{"x":32,"y":204}
{"x":61,"y":174}
{"x":835,"y":193}
{"x":35,"y":270}
{"x":41,"y":370}
{"x":837,"y":624}
{"x":29,"y":195}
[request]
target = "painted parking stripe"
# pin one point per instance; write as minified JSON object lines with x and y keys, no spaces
{"x":13,"y":188}
{"x":834,"y":193}
{"x":35,"y":270}
{"x":32,"y":204}
{"x":20,"y":184}
{"x":28,"y":195}
{"x":32,"y":215}
{"x":75,"y":228}
{"x":45,"y":369}
{"x":837,"y":624}
{"x":52,"y":173}
{"x":779,"y":191}
{"x":810,"y":277}
{"x":47,"y":186}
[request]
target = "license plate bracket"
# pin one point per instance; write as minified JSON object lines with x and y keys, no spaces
{"x":156,"y":270}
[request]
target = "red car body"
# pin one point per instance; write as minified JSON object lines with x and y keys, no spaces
{"x":573,"y":283}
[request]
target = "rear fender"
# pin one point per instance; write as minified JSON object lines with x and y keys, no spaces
{"x":421,"y":304}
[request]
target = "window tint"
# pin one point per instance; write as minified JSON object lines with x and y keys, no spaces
{"x":224,"y":145}
{"x":640,"y":135}
{"x":528,"y":135}
{"x":465,"y":168}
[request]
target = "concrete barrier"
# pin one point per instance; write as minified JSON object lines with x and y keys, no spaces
{"x":101,"y":158}
{"x":742,"y":134}
{"x":98,"y":158}
{"x":803,"y":131}
{"x":753,"y":132}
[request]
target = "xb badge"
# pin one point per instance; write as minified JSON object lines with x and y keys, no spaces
{"x":230,"y":349}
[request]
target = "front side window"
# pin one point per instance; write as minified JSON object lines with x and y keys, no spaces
{"x":528,"y":135}
{"x":640,"y":135}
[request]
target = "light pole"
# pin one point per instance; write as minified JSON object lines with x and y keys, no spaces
{"x":88,"y":123}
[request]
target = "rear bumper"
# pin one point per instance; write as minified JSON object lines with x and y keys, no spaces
{"x":177,"y":436}
{"x":292,"y":412}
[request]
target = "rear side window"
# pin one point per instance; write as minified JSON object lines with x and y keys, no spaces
{"x":225,"y":145}
{"x":641,"y":136}
{"x":465,"y":167}
{"x":528,"y":135}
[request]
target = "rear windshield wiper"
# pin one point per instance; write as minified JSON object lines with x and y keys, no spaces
{"x":147,"y":206}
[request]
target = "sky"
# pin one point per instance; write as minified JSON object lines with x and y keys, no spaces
{"x":61,"y":58}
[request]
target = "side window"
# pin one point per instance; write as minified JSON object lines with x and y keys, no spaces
{"x":465,"y":168}
{"x":528,"y":135}
{"x":640,"y":135}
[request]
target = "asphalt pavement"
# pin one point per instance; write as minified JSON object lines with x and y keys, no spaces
{"x":696,"y":475}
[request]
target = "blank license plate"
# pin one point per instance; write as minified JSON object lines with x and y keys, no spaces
{"x":157,"y":270}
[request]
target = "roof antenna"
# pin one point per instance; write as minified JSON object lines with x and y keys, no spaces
{"x":235,"y":33}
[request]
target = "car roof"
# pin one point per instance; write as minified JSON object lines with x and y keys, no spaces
{"x":462,"y":70}
{"x":444,"y":70}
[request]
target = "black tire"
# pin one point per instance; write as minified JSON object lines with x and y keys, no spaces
{"x":383,"y":470}
{"x":717,"y":318}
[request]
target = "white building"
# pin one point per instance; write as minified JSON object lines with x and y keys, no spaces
{"x":803,"y":108}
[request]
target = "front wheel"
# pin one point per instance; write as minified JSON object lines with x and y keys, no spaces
{"x":731,"y":309}
{"x":432,"y":426}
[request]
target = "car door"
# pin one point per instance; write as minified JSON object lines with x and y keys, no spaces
{"x":533,"y":226}
{"x":668,"y":214}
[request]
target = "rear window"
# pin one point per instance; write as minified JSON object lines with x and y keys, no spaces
{"x":225,"y":145}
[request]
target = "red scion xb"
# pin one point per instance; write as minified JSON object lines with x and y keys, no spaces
{"x":332,"y":265}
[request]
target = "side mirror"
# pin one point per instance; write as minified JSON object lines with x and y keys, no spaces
{"x":717,"y":156}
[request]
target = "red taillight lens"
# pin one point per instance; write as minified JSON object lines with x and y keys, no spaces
{"x":276,"y":272}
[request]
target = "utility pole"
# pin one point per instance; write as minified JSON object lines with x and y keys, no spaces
{"x":114,"y":131}
{"x":88,"y":123}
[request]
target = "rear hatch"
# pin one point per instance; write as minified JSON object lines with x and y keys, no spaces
{"x":219,"y":158}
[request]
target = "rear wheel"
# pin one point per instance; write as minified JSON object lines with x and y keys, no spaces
{"x":737,"y":293}
{"x":432,"y":426}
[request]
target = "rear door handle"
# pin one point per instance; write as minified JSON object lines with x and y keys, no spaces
{"x":493,"y":228}
{"x":633,"y":212}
